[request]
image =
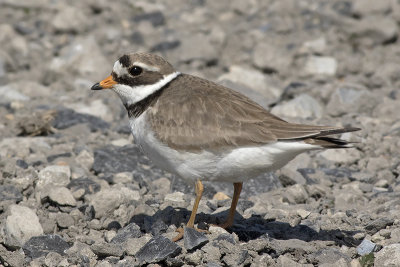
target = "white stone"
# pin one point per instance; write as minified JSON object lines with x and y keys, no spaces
{"x":21,"y":225}
{"x":251,"y":78}
{"x":62,"y":196}
{"x":95,"y":108}
{"x":54,"y":175}
{"x":175,"y":197}
{"x":9,"y":94}
{"x":303,"y":106}
{"x":341,"y":155}
{"x":108,"y":200}
{"x":388,"y":256}
{"x":321,"y":65}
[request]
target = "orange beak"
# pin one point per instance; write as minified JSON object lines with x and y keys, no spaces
{"x":104,"y":84}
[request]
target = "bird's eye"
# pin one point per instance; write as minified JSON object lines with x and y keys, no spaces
{"x":135,"y":70}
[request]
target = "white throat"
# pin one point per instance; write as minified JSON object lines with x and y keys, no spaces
{"x":131,"y":95}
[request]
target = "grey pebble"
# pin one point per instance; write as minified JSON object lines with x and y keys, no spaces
{"x":193,"y":239}
{"x":158,"y":249}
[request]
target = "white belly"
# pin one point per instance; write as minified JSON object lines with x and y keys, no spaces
{"x":236,"y":165}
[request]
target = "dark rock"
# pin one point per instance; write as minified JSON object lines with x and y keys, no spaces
{"x":114,"y":225}
{"x":156,"y":18}
{"x":87,"y":184}
{"x":22,"y":164}
{"x":39,"y":246}
{"x":113,"y":159}
{"x":10,"y":193}
{"x":123,"y":129}
{"x":194,"y":239}
{"x":366,"y":247}
{"x":378,"y":224}
{"x":88,"y":211}
{"x":51,"y":158}
{"x":132,"y":230}
{"x":158,"y":249}
{"x":66,"y":118}
{"x":158,"y":227}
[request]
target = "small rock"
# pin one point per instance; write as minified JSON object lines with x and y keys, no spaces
{"x":255,"y":81}
{"x":194,"y":258}
{"x":317,"y":65}
{"x":366,"y":247}
{"x":109,"y":199}
{"x":66,"y":118}
{"x":388,"y":256}
{"x":341,"y":155}
{"x":350,"y":98}
{"x":271,"y":57}
{"x":10,"y":193}
{"x":9,"y":94}
{"x":11,"y":258}
{"x":64,"y":220}
{"x":20,"y":226}
{"x":175,"y":197}
{"x":328,"y":255}
{"x":220,"y":196}
{"x":132,"y":230}
{"x":158,"y":249}
{"x":133,"y":245}
{"x":285,"y":261}
{"x":62,"y":196}
{"x":112,"y":159}
{"x":303,"y":213}
{"x":161,"y":186}
{"x":373,"y":30}
{"x":193,"y":239}
{"x":88,"y":185}
{"x":156,"y":18}
{"x":368,"y":7}
{"x":296,"y":194}
{"x":69,"y":19}
{"x":53,"y":175}
{"x":378,"y":224}
{"x":39,"y":246}
{"x":107,"y":249}
{"x":303,"y":106}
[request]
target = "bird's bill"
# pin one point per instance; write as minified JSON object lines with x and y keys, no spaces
{"x":104,"y":84}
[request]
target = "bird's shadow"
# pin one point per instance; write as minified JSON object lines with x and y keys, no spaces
{"x":246,"y":229}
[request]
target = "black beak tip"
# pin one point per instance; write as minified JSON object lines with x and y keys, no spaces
{"x":96,"y":86}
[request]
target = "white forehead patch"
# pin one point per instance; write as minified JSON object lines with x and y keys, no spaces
{"x":119,"y":69}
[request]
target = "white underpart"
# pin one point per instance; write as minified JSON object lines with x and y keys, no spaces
{"x":236,"y":165}
{"x":131,"y":95}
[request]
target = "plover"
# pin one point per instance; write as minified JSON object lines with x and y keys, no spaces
{"x":200,"y":130}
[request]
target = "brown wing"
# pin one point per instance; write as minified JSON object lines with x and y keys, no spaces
{"x":206,"y":115}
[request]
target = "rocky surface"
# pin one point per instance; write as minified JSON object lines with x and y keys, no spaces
{"x":76,"y":191}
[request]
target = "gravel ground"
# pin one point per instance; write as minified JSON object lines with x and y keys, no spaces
{"x":76,"y":191}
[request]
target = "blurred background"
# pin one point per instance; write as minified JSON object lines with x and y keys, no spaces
{"x":333,"y":62}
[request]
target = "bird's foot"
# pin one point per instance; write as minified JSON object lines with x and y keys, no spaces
{"x":181,"y":231}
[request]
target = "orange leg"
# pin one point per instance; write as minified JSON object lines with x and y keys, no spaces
{"x":199,"y":192}
{"x":236,"y":193}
